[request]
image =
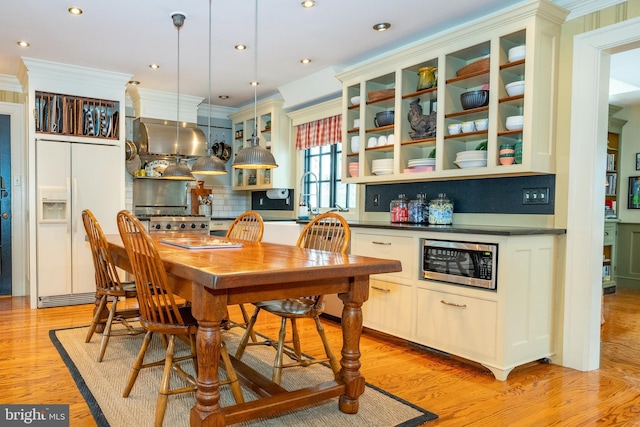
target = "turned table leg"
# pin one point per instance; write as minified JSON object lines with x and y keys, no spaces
{"x":351,"y":331}
{"x":209,"y":310}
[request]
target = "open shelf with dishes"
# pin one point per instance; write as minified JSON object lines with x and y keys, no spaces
{"x":476,"y":95}
{"x":273,"y":129}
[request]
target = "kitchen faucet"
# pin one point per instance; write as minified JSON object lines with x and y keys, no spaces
{"x":304,"y":195}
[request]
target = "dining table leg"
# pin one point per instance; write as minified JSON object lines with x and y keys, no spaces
{"x":351,"y":332}
{"x":209,"y":310}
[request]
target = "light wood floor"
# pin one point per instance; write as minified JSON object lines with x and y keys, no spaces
{"x":461,"y":394}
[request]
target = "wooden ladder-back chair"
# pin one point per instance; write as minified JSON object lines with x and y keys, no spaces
{"x":160,"y":313}
{"x":250,"y":227}
{"x":109,"y":288}
{"x":327,"y":232}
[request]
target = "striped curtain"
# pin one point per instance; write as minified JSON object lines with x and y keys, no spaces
{"x":325,"y":131}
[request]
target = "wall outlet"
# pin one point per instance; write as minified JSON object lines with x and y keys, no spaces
{"x":535,"y":196}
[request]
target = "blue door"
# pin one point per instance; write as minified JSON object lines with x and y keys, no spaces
{"x":5,"y":205}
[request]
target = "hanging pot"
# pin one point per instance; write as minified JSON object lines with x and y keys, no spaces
{"x":224,"y":152}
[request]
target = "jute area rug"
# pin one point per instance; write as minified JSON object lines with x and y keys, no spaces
{"x":102,"y":384}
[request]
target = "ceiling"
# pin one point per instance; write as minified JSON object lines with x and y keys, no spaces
{"x":126,"y":36}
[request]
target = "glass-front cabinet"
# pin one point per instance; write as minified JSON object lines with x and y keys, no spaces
{"x":462,"y":104}
{"x":275,"y":132}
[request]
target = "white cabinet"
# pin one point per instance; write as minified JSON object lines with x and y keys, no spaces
{"x":457,"y":324}
{"x":499,"y":329}
{"x":275,"y":132}
{"x":535,"y":25}
{"x":389,"y":308}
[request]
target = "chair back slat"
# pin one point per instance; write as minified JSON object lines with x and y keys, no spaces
{"x":248,"y":226}
{"x":106,"y":275}
{"x":326,"y":232}
{"x":156,"y":300}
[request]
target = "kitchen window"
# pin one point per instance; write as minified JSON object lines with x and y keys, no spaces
{"x":325,"y":162}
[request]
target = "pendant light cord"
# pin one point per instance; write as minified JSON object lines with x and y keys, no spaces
{"x":255,"y":74}
{"x":209,"y":114}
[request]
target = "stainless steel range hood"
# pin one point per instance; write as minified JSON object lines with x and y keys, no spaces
{"x":156,"y":139}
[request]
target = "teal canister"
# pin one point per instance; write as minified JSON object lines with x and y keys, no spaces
{"x":441,"y":210}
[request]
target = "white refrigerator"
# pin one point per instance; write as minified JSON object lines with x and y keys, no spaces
{"x":71,"y":177}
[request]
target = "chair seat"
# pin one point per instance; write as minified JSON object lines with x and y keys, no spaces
{"x":190,"y":324}
{"x":292,"y":307}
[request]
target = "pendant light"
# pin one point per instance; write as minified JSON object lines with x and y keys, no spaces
{"x":209,"y":165}
{"x":178,"y":170}
{"x":255,"y":156}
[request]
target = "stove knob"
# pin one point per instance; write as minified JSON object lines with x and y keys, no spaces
{"x":182,"y":225}
{"x":203,"y":225}
{"x":157,"y":226}
{"x":193,"y":225}
{"x":168,"y":227}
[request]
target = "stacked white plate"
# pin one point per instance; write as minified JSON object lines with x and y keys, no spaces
{"x":471,"y":159}
{"x":415,"y":163}
{"x":382,"y":166}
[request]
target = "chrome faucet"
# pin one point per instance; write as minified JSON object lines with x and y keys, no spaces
{"x":307,"y":196}
{"x":338,"y":208}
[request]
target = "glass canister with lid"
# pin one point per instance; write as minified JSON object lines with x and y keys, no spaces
{"x":419,"y":210}
{"x":441,"y":210}
{"x":399,"y":209}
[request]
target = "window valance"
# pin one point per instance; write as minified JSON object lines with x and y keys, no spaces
{"x":321,"y":132}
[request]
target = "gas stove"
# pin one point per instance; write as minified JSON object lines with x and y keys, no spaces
{"x":179,"y":224}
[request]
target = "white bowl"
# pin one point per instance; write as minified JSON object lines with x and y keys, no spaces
{"x":517,"y":53}
{"x":472,"y":155}
{"x":514,"y":122}
{"x":355,"y":100}
{"x":463,"y":164}
{"x":515,"y":88}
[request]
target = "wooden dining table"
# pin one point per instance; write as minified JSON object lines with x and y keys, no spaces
{"x":212,"y":279}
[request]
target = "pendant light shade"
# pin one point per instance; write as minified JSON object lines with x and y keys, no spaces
{"x":255,"y":156}
{"x":178,"y":171}
{"x":209,"y":165}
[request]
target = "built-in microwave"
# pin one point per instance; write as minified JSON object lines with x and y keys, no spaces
{"x":460,"y":263}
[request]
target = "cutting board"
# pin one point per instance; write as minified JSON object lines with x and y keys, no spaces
{"x":195,"y":192}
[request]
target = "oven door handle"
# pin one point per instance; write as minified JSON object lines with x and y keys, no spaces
{"x":453,"y":304}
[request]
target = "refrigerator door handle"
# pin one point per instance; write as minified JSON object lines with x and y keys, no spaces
{"x":74,"y":205}
{"x":67,"y":212}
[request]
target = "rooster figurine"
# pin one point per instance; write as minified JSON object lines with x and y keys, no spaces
{"x":424,"y":126}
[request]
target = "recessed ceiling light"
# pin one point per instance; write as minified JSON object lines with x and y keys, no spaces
{"x":240,"y":46}
{"x":308,"y":4}
{"x":154,"y":66}
{"x":23,"y":43}
{"x":133,"y":82}
{"x":75,"y":10}
{"x":223,"y":96}
{"x":382,"y":26}
{"x":305,"y":61}
{"x":254,"y":83}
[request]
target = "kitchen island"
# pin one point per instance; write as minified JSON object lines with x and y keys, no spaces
{"x":214,"y":278}
{"x":500,"y":328}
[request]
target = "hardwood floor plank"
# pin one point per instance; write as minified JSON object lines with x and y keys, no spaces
{"x":461,"y":393}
